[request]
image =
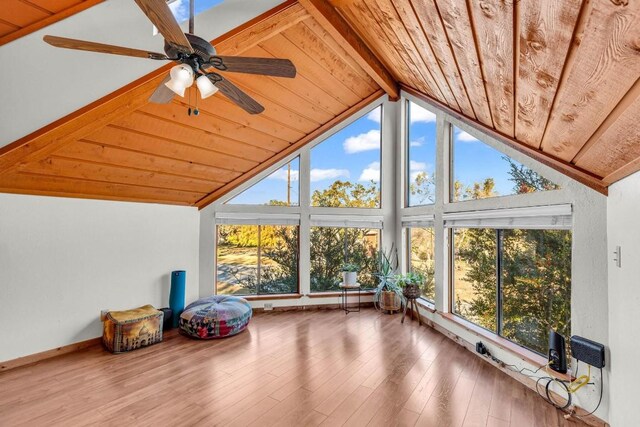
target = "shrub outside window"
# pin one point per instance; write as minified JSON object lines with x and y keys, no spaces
{"x":421,"y":250}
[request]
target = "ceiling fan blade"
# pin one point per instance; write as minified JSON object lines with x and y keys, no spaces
{"x":162,"y":94}
{"x":160,"y":15}
{"x":101,"y":48}
{"x":264,"y":66}
{"x":236,"y":94}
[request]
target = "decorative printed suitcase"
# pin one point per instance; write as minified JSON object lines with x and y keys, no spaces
{"x":130,"y":329}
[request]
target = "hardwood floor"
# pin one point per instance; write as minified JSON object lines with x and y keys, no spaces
{"x":290,"y":368}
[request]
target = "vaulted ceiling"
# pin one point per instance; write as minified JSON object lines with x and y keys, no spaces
{"x":558,"y":80}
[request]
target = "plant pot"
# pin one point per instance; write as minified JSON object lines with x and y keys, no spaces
{"x":389,"y":301}
{"x":411,"y":291}
{"x":349,"y":277}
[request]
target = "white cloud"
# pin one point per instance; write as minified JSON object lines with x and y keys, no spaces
{"x":321,"y":174}
{"x":374,"y":115}
{"x":282,"y":175}
{"x":363,"y":142}
{"x":417,"y":166}
{"x":371,"y":172}
{"x":419,"y":141}
{"x":421,"y":115}
{"x":464,"y":136}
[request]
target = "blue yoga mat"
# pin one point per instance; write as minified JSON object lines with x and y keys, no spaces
{"x":176,"y":296}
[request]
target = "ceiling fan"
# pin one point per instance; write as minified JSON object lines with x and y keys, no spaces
{"x":197,"y":59}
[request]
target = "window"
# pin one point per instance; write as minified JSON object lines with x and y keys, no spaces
{"x":480,"y":172}
{"x":180,"y":8}
{"x":345,"y":168}
{"x":421,"y":250}
{"x":281,"y":188}
{"x":421,"y":156}
{"x":515,"y":282}
{"x":257,"y":259}
{"x":333,"y":246}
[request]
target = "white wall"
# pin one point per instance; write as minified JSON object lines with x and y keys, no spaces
{"x":623,"y":207}
{"x":63,"y":260}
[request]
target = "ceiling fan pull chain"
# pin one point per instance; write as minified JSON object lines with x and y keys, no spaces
{"x":196,"y":111}
{"x":189,"y":110}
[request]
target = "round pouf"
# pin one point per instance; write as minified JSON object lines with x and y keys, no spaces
{"x":217,"y":316}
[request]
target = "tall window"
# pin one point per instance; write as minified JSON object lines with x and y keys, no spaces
{"x":516,"y":282}
{"x":345,"y":168}
{"x":281,"y":188}
{"x":421,"y":156}
{"x":421,"y":250}
{"x":331,"y":247}
{"x":480,"y":172}
{"x":257,"y":259}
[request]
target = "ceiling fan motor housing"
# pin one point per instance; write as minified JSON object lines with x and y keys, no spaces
{"x":203,"y":50}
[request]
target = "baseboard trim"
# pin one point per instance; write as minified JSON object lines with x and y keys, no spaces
{"x":48,"y":354}
{"x":259,"y":310}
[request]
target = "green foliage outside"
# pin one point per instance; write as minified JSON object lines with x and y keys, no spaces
{"x":535,"y":272}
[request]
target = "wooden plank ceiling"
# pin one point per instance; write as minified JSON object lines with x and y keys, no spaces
{"x":558,"y":80}
{"x":21,"y":17}
{"x":125,"y":148}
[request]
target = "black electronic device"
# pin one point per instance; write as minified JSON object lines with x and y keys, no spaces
{"x":587,"y":351}
{"x":557,"y":352}
{"x":167,"y":321}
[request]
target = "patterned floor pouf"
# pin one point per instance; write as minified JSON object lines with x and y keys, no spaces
{"x":217,"y":316}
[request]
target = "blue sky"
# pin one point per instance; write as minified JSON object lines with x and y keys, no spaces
{"x":353,"y":154}
{"x":180,"y":8}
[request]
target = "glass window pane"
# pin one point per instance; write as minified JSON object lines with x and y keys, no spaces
{"x":237,"y":259}
{"x":257,"y":260}
{"x":480,"y":171}
{"x":421,"y":156}
{"x":536,"y":286}
{"x":345,"y":168}
{"x":474,"y":276}
{"x":421,"y":258}
{"x":332,"y":246}
{"x":281,"y":188}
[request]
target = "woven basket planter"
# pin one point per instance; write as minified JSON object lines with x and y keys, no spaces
{"x":411,"y":291}
{"x":389,"y":301}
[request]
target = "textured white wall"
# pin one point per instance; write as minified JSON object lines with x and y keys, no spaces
{"x":63,"y":260}
{"x":623,"y":207}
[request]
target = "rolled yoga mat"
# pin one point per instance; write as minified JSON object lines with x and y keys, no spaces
{"x":176,"y":296}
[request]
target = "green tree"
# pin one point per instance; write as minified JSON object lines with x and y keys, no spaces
{"x":423,"y":189}
{"x":344,"y":194}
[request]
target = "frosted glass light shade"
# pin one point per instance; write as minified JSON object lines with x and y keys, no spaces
{"x":176,"y":87}
{"x":205,"y":86}
{"x":182,"y":74}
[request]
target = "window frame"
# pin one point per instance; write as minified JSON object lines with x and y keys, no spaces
{"x":499,"y":232}
{"x":406,"y":169}
{"x":259,"y":255}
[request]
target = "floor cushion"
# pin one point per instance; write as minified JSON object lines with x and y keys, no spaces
{"x":216,"y":316}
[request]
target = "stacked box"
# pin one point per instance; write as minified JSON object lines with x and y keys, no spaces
{"x":130,"y":329}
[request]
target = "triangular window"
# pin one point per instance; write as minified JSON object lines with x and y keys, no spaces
{"x":280,"y":188}
{"x":480,"y":171}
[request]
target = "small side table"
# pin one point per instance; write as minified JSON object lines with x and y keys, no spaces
{"x":411,"y":301}
{"x":345,"y":291}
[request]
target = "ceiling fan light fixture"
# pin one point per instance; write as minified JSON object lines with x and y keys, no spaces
{"x":182,"y":74}
{"x":176,"y":87}
{"x":206,"y":87}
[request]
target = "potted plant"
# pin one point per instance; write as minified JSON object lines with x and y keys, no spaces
{"x":387,"y":295}
{"x":410,"y":284}
{"x":350,"y":273}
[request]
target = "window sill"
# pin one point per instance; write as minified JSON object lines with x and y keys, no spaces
{"x":338,"y":294}
{"x":427,"y":305}
{"x":526,"y":355}
{"x":270,"y":297}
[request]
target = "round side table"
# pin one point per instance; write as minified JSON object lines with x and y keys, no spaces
{"x":345,"y":296}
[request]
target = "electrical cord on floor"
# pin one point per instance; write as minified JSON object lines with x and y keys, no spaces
{"x":569,"y":386}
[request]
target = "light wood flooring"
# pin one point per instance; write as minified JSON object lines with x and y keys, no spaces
{"x":290,"y":368}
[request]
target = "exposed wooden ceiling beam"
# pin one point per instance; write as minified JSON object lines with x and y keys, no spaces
{"x":339,"y":29}
{"x":561,"y":166}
